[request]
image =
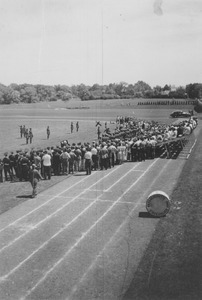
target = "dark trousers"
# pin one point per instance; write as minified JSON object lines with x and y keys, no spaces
{"x":24,"y":172}
{"x":34,"y":187}
{"x":7,"y":172}
{"x":1,"y":175}
{"x":112,"y":160}
{"x":64,"y":166}
{"x":104,"y":163}
{"x":71,"y":167}
{"x":95,"y":162}
{"x":47,"y":172}
{"x":88,"y":165}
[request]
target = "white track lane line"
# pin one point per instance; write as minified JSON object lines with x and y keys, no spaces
{"x":2,"y":278}
{"x":75,"y":287}
{"x":38,"y":207}
{"x":109,"y":188}
{"x":83,"y":235}
{"x":53,"y":214}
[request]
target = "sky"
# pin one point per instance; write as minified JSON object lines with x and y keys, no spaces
{"x":100,"y":41}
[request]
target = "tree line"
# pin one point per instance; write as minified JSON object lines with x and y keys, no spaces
{"x":29,"y":93}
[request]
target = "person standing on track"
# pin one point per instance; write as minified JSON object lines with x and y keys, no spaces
{"x":34,"y":177}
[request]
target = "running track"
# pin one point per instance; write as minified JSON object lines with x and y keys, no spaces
{"x":82,"y":238}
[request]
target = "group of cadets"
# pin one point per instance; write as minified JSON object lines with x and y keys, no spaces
{"x":72,"y":127}
{"x":132,"y":140}
{"x":26,"y":133}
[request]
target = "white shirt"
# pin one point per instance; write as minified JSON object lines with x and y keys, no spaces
{"x":88,"y":155}
{"x":46,"y":160}
{"x":94,"y":151}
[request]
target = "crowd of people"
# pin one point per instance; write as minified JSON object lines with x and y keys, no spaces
{"x":131,"y":140}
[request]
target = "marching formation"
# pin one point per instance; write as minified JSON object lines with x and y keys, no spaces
{"x":132,"y":140}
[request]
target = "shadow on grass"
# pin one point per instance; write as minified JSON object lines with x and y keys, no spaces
{"x":24,"y":196}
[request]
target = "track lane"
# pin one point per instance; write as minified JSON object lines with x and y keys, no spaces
{"x":29,"y":223}
{"x":105,"y":202}
{"x":111,"y":267}
{"x":11,"y":247}
{"x":58,"y":263}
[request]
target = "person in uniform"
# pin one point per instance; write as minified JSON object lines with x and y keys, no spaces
{"x":48,"y":132}
{"x":21,"y":131}
{"x":98,"y":132}
{"x":12,"y":164}
{"x":26,"y":136}
{"x":1,"y":170}
{"x":71,"y":160}
{"x":24,"y":162}
{"x":30,"y":134}
{"x":77,"y":163}
{"x":37,"y":161}
{"x":7,"y":170}
{"x":34,"y":177}
{"x":104,"y":157}
{"x":64,"y":160}
{"x":77,"y":126}
{"x":72,"y":127}
{"x":112,"y":151}
{"x":138,"y":145}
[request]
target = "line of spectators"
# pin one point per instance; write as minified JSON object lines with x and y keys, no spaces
{"x":132,"y":140}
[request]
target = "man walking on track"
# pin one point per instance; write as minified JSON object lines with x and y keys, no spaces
{"x":34,"y":177}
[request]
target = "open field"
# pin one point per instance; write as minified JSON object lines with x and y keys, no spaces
{"x":82,"y":238}
{"x":58,"y":117}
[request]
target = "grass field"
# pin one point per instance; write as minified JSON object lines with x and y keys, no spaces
{"x":58,"y":117}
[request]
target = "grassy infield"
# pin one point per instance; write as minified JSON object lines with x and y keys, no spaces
{"x":171,"y":267}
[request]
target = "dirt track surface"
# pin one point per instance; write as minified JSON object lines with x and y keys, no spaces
{"x":82,"y":238}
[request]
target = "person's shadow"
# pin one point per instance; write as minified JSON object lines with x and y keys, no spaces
{"x":24,"y":196}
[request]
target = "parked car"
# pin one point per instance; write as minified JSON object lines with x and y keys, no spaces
{"x":186,"y":114}
{"x":176,"y":114}
{"x":180,"y":114}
